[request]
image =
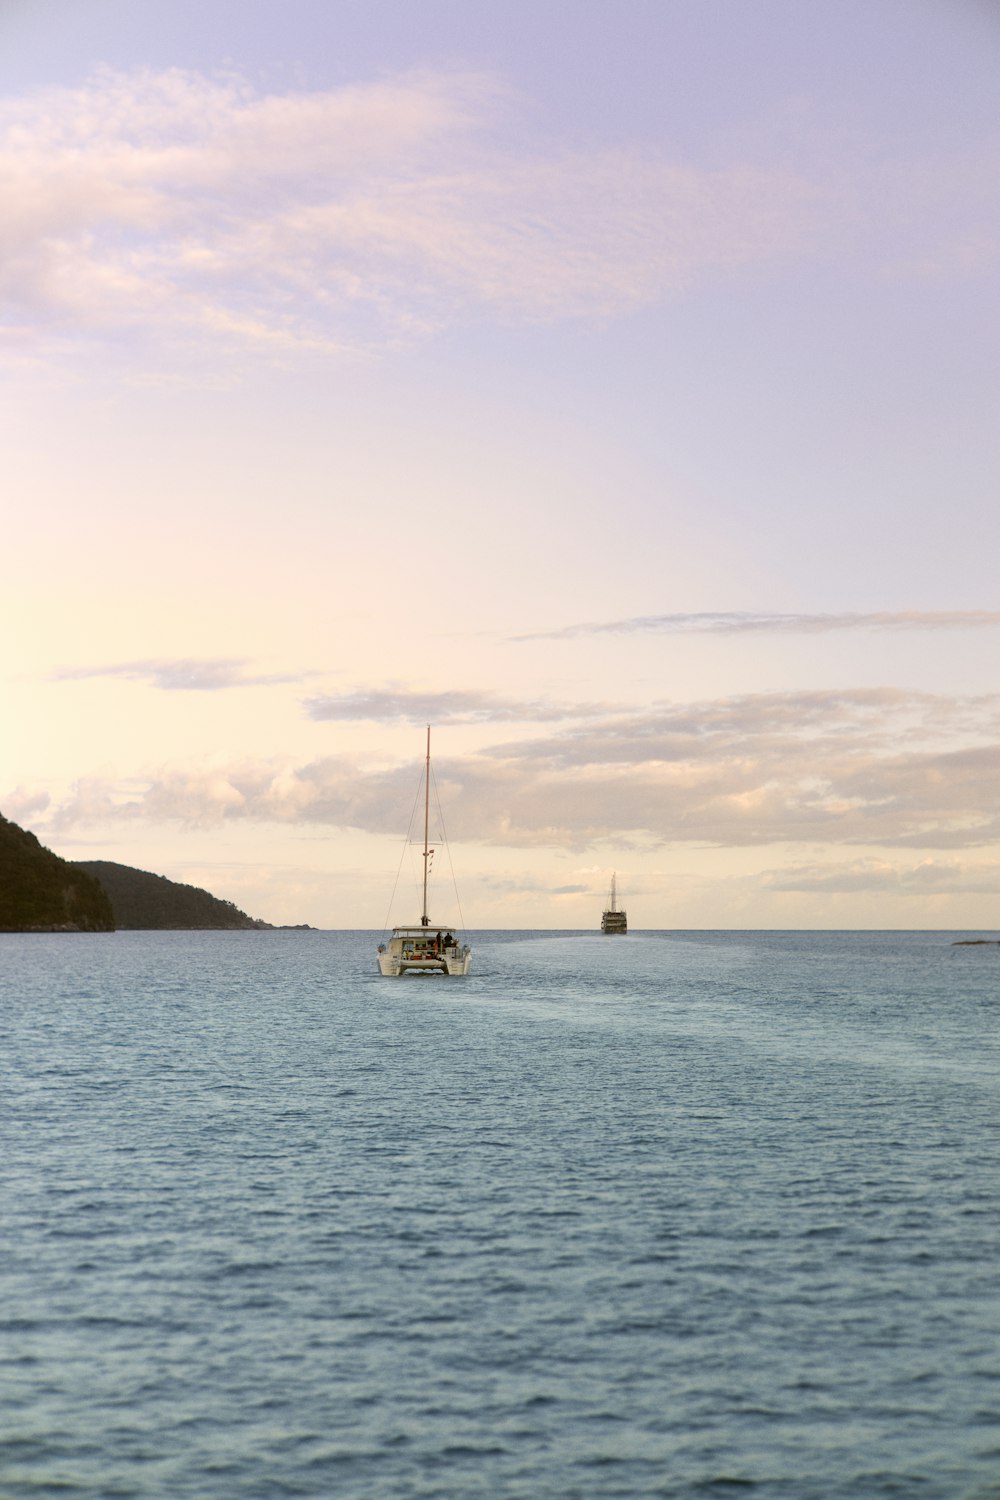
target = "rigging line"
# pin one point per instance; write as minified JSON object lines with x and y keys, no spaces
{"x":447,"y":848}
{"x":406,"y":845}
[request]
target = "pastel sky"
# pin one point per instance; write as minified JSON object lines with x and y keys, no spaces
{"x":613,"y":386}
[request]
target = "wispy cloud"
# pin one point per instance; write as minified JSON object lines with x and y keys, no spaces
{"x":454,"y":706}
{"x":943,"y":877}
{"x":183,"y":675}
{"x":185,"y":206}
{"x":735,"y":622}
{"x":877,"y":767}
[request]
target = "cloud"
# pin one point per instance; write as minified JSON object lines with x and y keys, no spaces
{"x":182,"y":206}
{"x":502,"y":886}
{"x":22,"y":805}
{"x":749,"y":727}
{"x":929,"y":877}
{"x":182,"y":675}
{"x":455,"y":706}
{"x":754,"y":623}
{"x":873,"y":768}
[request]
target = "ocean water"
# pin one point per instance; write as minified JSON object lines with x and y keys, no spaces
{"x":677,"y":1214}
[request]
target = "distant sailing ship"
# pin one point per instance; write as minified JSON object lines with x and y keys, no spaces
{"x":614,"y":920}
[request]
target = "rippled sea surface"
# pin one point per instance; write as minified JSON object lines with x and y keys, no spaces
{"x":677,"y":1214}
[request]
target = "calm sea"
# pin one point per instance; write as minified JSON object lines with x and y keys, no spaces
{"x":677,"y":1214}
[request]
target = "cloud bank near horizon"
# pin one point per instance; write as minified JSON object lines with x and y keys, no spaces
{"x":929,"y":877}
{"x":872,"y":767}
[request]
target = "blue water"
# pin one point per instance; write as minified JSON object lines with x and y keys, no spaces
{"x":677,"y":1214}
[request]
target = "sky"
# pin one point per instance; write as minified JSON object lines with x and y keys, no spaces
{"x":611,"y":386}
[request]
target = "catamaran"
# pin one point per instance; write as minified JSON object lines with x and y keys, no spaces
{"x":614,"y":920}
{"x":424,"y":947}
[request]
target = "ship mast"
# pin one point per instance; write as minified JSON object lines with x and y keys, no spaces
{"x":424,"y":918}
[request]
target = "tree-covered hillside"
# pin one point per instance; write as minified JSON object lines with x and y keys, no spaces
{"x":39,"y":892}
{"x":142,"y":900}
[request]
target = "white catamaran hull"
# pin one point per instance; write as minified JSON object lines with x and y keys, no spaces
{"x":452,"y":961}
{"x":423,"y":950}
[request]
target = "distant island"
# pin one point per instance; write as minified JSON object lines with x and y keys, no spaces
{"x":141,"y":900}
{"x":40,"y":892}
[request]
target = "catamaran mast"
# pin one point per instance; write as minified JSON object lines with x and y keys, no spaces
{"x":424,"y":918}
